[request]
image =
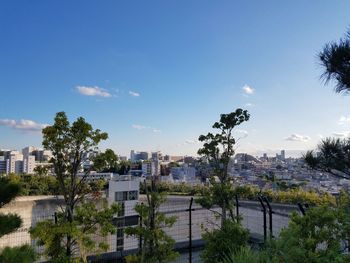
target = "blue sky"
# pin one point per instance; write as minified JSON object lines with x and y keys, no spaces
{"x":156,"y":74}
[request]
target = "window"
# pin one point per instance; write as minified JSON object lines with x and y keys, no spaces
{"x":118,"y":196}
{"x":125,"y":196}
{"x":133,"y":195}
{"x":121,"y":212}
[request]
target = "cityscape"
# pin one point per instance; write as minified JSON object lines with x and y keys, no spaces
{"x":174,"y":132}
{"x":265,"y":172}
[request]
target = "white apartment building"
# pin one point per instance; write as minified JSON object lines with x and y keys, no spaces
{"x":124,"y":190}
{"x":2,"y":165}
{"x":14,"y":163}
{"x":29,"y":164}
{"x":151,"y":168}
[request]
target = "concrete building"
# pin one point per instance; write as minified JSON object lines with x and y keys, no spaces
{"x":183,"y":174}
{"x":156,"y":156}
{"x":29,"y":164}
{"x":2,"y":165}
{"x":14,"y":164}
{"x":151,"y":168}
{"x":124,"y":190}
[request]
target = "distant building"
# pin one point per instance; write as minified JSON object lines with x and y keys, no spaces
{"x":29,"y":164}
{"x":183,"y":174}
{"x":14,"y":163}
{"x":156,"y":156}
{"x":151,"y":168}
{"x":123,"y":158}
{"x":283,"y":155}
{"x":95,"y":176}
{"x":2,"y":165}
{"x":138,"y":156}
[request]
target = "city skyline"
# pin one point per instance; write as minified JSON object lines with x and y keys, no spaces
{"x":153,"y":82}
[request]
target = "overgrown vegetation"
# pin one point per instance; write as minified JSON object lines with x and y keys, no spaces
{"x":248,"y":192}
{"x":10,"y":223}
{"x":320,"y":236}
{"x":157,"y":246}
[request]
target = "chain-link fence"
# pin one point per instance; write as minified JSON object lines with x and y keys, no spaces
{"x":260,"y":218}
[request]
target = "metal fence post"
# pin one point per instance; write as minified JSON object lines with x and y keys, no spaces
{"x":190,"y":231}
{"x":140,"y":224}
{"x":301,"y":208}
{"x":270,"y":215}
{"x":237,"y":206}
{"x":55,"y":216}
{"x":264,"y":211}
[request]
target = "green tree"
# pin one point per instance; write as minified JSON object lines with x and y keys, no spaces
{"x":218,"y":148}
{"x":106,"y":161}
{"x":92,"y":220}
{"x":10,"y":223}
{"x":157,"y":246}
{"x":333,"y":156}
{"x":68,"y":144}
{"x":313,"y":238}
{"x":8,"y":191}
{"x":42,"y":170}
{"x":335,"y":58}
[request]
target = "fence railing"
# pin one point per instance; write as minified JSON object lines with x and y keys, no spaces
{"x":261,"y":218}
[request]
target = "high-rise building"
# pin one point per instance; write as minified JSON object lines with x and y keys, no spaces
{"x":2,"y":165}
{"x":138,"y":156}
{"x":156,"y":155}
{"x":14,"y":164}
{"x":29,"y":164}
{"x":283,"y":155}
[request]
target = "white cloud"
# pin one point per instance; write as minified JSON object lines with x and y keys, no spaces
{"x":341,"y":134}
{"x":134,"y":94}
{"x":142,"y":127}
{"x":93,"y":91}
{"x":243,"y":133}
{"x":342,"y":120}
{"x":249,"y":104}
{"x":139,"y":127}
{"x":248,"y":90}
{"x":298,"y":138}
{"x":23,"y":125}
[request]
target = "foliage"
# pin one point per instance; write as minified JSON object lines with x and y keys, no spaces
{"x":11,"y":222}
{"x":248,"y":192}
{"x":333,"y":156}
{"x":79,"y":218}
{"x":35,"y":184}
{"x":23,"y":254}
{"x":335,"y":58}
{"x":316,"y":237}
{"x":8,"y":191}
{"x":228,"y":239}
{"x":218,"y":149}
{"x":89,"y":223}
{"x":157,"y":246}
{"x":106,"y":162}
{"x":247,"y":255}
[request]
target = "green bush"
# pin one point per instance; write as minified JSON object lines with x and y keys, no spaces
{"x":220,"y":242}
{"x":23,"y":254}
